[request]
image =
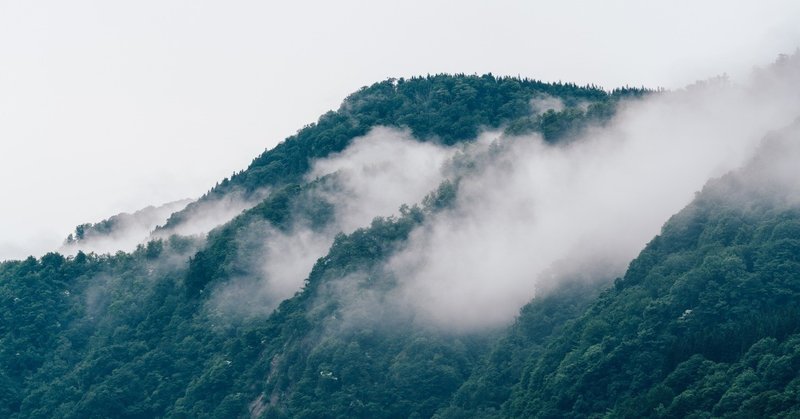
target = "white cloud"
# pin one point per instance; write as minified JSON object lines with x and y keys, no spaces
{"x":372,"y":177}
{"x":538,"y":210}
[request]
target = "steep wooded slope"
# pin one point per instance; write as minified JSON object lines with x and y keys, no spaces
{"x":706,"y":321}
{"x":135,"y":335}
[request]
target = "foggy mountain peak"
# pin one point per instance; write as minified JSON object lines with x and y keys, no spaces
{"x":445,"y":246}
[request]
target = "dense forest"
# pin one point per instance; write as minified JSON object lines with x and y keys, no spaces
{"x":702,"y":324}
{"x":440,"y":108}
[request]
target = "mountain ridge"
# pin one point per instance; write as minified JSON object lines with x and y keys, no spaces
{"x":195,"y":326}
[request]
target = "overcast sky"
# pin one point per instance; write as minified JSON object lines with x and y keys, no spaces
{"x":109,"y":106}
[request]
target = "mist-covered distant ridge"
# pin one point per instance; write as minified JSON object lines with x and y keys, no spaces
{"x":122,"y":231}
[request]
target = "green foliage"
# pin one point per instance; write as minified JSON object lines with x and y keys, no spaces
{"x":445,"y":108}
{"x":704,"y":322}
{"x":281,"y":209}
{"x":492,"y":380}
{"x":130,"y":339}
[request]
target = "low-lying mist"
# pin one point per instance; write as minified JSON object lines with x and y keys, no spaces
{"x":536,"y":213}
{"x":120,"y":232}
{"x":203,"y":215}
{"x":373,"y":177}
{"x":528,"y":214}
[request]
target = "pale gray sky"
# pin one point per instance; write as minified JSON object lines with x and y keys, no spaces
{"x":109,"y":106}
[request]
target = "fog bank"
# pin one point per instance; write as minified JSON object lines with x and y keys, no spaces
{"x":536,"y":211}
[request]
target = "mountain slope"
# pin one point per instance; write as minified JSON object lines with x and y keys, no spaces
{"x":705,"y":321}
{"x":442,"y":108}
{"x":120,"y":232}
{"x":145,"y":334}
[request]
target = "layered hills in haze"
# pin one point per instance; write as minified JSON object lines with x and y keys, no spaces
{"x":447,"y":246}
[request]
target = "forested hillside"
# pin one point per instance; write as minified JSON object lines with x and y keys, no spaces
{"x":441,"y":108}
{"x":120,"y":231}
{"x":312,"y":300}
{"x":703,"y":324}
{"x":141,"y":334}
